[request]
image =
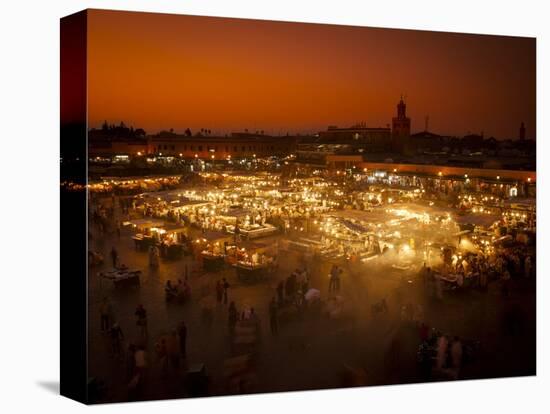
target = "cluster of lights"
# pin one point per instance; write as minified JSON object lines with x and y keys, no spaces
{"x":134,"y":184}
{"x":260,"y":195}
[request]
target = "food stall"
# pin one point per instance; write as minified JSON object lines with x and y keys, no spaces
{"x":145,"y":235}
{"x":212,"y":248}
{"x":173,"y":241}
{"x":253,"y":261}
{"x":251,"y":223}
{"x":253,"y":231}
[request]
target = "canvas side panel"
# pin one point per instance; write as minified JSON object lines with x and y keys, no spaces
{"x":73,"y":230}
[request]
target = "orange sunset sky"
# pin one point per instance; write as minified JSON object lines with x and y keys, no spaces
{"x":159,"y":71}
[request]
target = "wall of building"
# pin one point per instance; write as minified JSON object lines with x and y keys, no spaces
{"x":371,"y":139}
{"x":191,"y":147}
{"x":222,"y":147}
{"x":435,"y":170}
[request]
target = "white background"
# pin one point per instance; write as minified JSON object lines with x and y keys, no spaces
{"x":29,"y":226}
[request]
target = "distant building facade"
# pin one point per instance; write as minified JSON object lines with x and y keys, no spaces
{"x":360,"y":136}
{"x":237,"y":145}
{"x":427,"y":141}
{"x":378,"y":143}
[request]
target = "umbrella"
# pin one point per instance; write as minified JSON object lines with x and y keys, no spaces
{"x":312,"y":294}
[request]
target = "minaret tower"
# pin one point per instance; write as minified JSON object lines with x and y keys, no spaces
{"x":401,"y":128}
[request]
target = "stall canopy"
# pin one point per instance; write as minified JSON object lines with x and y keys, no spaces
{"x":144,"y":223}
{"x":235,"y":213}
{"x":176,"y":229}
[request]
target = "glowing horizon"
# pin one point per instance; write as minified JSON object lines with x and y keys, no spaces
{"x":160,"y":71}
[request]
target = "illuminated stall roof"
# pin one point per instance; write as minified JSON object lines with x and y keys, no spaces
{"x":144,"y":223}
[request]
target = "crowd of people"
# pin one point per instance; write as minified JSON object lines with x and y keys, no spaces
{"x":478,"y":270}
{"x":442,"y":356}
{"x":180,"y":291}
{"x":170,"y":350}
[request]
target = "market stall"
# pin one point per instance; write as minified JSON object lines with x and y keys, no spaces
{"x":212,"y":248}
{"x":174,"y":242}
{"x":144,"y":236}
{"x":253,"y":231}
{"x":253,"y":261}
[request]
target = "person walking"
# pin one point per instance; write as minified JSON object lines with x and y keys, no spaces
{"x":237,"y":233}
{"x":153,"y":256}
{"x":116,"y":338}
{"x":441,"y":353}
{"x":280,"y":293}
{"x":141,"y":363}
{"x":288,"y":289}
{"x":114,"y":256}
{"x":141,"y":321}
{"x":505,"y":283}
{"x":456,"y":356}
{"x":304,"y":285}
{"x":233,"y":317}
{"x":528,"y":267}
{"x":182,"y":334}
{"x":105,"y":313}
{"x":273,"y":321}
{"x":225,"y":286}
{"x":338,"y":279}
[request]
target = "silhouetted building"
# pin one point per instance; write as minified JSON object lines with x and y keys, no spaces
{"x":238,"y":145}
{"x":401,"y":129}
{"x":359,"y":136}
{"x":427,"y":141}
